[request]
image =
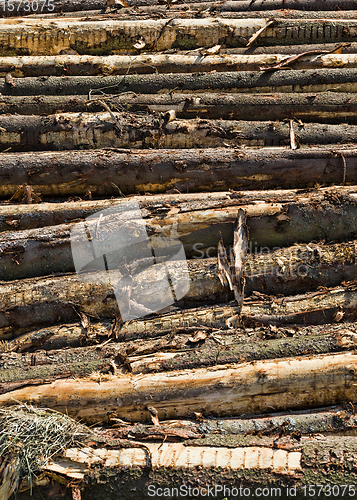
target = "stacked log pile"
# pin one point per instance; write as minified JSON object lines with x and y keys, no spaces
{"x":230,"y":126}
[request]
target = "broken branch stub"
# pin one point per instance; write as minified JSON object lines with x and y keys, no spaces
{"x":232,"y":275}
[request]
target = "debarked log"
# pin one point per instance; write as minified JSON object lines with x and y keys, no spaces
{"x":228,"y":390}
{"x":301,"y":81}
{"x":101,"y":362}
{"x":126,"y":130}
{"x":50,"y":37}
{"x":40,"y":302}
{"x":163,"y":63}
{"x":317,"y":216}
{"x":325,"y":107}
{"x":112,"y":172}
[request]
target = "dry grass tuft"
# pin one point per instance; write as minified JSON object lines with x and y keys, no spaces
{"x":30,"y":437}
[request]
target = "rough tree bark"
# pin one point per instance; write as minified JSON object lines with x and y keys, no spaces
{"x":290,"y":383}
{"x":104,"y":37}
{"x":300,"y":81}
{"x":125,"y":130}
{"x":111,"y":172}
{"x":48,"y":301}
{"x":324,"y":107}
{"x":47,"y":250}
{"x":76,"y":65}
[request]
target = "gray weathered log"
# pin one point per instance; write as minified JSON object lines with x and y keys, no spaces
{"x":323,"y":107}
{"x":342,"y":80}
{"x":125,"y":130}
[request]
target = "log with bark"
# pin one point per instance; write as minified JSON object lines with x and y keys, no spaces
{"x":300,"y":81}
{"x":41,"y":302}
{"x":126,"y":130}
{"x":324,"y":107}
{"x":223,"y":390}
{"x":289,"y":466}
{"x":103,"y":37}
{"x":321,"y":215}
{"x":112,"y":172}
{"x":164,"y":63}
{"x":181,"y":353}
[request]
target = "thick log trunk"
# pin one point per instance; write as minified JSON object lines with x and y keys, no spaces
{"x":33,"y":215}
{"x":42,"y":251}
{"x":300,"y":81}
{"x":125,"y":130}
{"x":168,"y":63}
{"x":290,"y":383}
{"x":48,"y":301}
{"x":322,"y":107}
{"x":98,"y":363}
{"x":103,"y":37}
{"x":102,"y":172}
{"x":278,"y":467}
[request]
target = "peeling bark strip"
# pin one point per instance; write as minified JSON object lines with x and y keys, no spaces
{"x":330,"y":216}
{"x":125,"y":130}
{"x":301,"y":81}
{"x":103,"y":171}
{"x":168,"y":63}
{"x":229,"y":390}
{"x":103,"y":37}
{"x":41,"y":302}
{"x":324,"y":107}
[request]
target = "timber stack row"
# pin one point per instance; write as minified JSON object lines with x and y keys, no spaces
{"x":196,"y":114}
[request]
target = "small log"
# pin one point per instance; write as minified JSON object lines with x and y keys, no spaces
{"x":290,"y":383}
{"x":324,"y":107}
{"x":126,"y":130}
{"x":300,"y":81}
{"x":107,"y":172}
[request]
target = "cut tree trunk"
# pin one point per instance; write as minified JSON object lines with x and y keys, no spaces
{"x":287,"y":465}
{"x":290,"y":383}
{"x":163,"y":63}
{"x":111,"y":172}
{"x":47,"y":250}
{"x":48,"y":301}
{"x":98,"y":363}
{"x":300,"y":81}
{"x":126,"y":130}
{"x":322,"y":107}
{"x":103,"y":37}
{"x":31,"y":215}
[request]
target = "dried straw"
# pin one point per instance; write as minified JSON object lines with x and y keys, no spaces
{"x":31,"y":436}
